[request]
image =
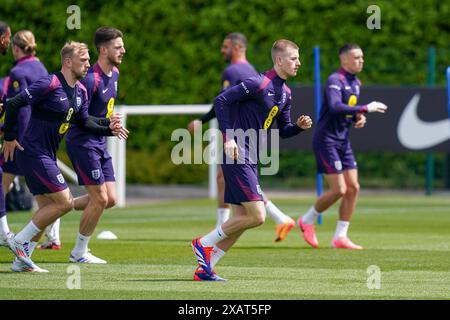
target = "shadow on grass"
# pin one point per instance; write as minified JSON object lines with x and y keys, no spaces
{"x":276,"y":247}
{"x":188,"y":241}
{"x":158,"y":280}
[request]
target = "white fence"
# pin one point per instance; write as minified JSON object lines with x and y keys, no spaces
{"x":117,"y":148}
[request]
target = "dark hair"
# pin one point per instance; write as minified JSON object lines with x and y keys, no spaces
{"x":105,"y":34}
{"x":237,"y":38}
{"x":348,"y":47}
{"x":3,"y":27}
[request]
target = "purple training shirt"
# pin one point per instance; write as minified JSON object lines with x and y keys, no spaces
{"x":26,"y":71}
{"x":51,"y":114}
{"x":102,"y":92}
{"x":255,"y":103}
{"x":339,"y":107}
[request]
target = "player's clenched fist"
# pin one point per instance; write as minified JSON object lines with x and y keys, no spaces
{"x":360,"y":120}
{"x":118,"y":130}
{"x":304,"y":122}
{"x":231,"y":149}
{"x":116,"y":117}
{"x":194,"y":125}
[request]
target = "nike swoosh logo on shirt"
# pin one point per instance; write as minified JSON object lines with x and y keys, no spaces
{"x":270,"y":94}
{"x":105,"y":90}
{"x":62,"y":99}
{"x":416,"y":134}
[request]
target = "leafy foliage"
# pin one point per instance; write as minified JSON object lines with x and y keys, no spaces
{"x":173,"y":56}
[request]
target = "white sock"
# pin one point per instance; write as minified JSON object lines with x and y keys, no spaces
{"x":310,"y":216}
{"x":216,"y":255}
{"x":4,"y":228}
{"x":276,"y":214}
{"x":81,"y":246}
{"x":213,"y":237}
{"x":222,"y":215}
{"x":341,"y":229}
{"x":52,"y":231}
{"x":32,"y":246}
{"x":27,"y":233}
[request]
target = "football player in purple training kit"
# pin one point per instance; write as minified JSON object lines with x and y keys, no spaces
{"x":56,"y":101}
{"x":5,"y":39}
{"x":234,"y":52}
{"x":332,"y":148}
{"x":87,"y":151}
{"x":3,"y":89}
{"x":251,"y":105}
{"x":27,"y":70}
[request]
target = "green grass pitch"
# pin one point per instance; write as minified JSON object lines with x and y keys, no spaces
{"x":407,"y":237}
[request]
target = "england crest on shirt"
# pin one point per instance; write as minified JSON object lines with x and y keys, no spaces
{"x":78,"y":101}
{"x":60,"y":178}
{"x":95,"y":174}
{"x":115,"y":85}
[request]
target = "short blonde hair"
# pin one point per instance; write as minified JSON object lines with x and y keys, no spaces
{"x":279,"y":47}
{"x":24,"y":39}
{"x":71,"y":48}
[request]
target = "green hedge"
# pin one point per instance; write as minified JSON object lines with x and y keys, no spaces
{"x":376,"y":170}
{"x":173,"y":56}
